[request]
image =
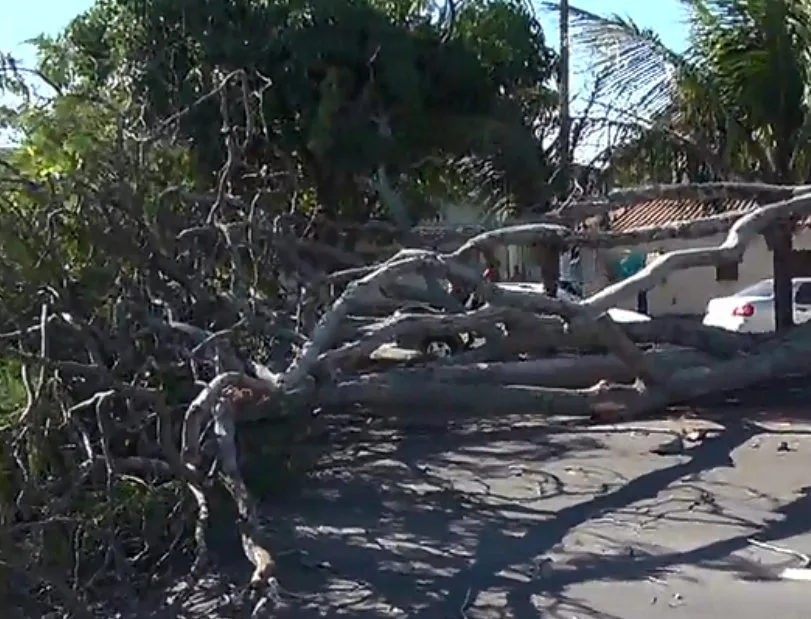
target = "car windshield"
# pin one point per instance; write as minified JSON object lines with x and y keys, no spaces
{"x":763,"y":288}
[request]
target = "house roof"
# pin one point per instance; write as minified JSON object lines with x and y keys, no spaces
{"x":653,"y":213}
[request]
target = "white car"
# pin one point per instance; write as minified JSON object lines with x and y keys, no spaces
{"x":752,"y":309}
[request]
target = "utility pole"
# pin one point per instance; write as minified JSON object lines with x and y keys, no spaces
{"x":565,"y":171}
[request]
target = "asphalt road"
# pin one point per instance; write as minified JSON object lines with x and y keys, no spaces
{"x":519,"y":519}
{"x":516,"y":520}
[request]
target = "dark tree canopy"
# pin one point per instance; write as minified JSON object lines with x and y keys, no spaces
{"x":347,"y":87}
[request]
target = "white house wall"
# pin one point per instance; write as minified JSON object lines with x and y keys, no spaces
{"x":688,"y":291}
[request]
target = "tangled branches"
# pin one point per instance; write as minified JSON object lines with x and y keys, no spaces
{"x":143,"y":324}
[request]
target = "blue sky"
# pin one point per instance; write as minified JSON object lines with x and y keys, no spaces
{"x":26,"y":19}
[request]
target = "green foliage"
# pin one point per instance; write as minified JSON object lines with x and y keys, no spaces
{"x":336,"y":70}
{"x":12,"y":393}
{"x":509,"y":43}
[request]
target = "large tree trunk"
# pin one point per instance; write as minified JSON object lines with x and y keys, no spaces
{"x":568,"y":372}
{"x":566,"y":386}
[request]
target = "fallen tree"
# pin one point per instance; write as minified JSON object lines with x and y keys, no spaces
{"x":139,"y":339}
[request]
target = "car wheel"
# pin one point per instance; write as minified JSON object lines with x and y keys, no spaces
{"x":442,"y":348}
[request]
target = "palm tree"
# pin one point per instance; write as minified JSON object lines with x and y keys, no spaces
{"x":736,"y":101}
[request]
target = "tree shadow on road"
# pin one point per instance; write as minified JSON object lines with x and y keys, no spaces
{"x":461,"y":523}
{"x":418,"y":545}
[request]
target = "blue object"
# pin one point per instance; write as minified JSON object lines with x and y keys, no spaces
{"x":630,"y":264}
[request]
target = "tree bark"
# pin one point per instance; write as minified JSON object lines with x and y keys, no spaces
{"x":482,"y":392}
{"x":569,"y":372}
{"x":781,"y":357}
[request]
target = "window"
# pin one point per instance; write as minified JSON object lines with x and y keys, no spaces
{"x":727,"y":272}
{"x":803,"y":295}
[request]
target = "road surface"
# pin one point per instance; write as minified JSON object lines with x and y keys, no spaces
{"x":520,"y":519}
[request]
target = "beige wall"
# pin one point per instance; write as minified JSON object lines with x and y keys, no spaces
{"x":688,"y":291}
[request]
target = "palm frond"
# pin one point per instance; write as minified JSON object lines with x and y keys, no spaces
{"x":637,"y":63}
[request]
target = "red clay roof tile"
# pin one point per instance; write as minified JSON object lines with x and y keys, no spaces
{"x":663,"y":212}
